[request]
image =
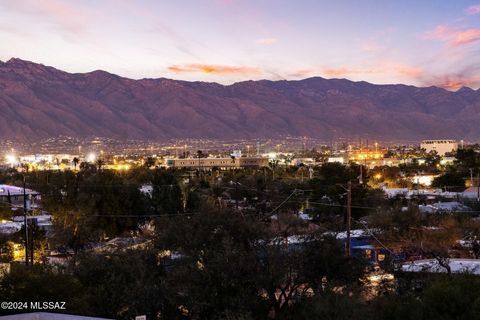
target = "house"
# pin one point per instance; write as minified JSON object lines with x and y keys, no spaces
{"x":147,"y":190}
{"x":444,"y":207}
{"x":394,"y":192}
{"x":445,"y":161}
{"x":8,"y":227}
{"x":471,"y":193}
{"x":363,"y":245}
{"x":336,"y":159}
{"x":43,"y":221}
{"x":471,"y":266}
{"x":450,"y":206}
{"x":14,"y":195}
{"x":122,"y":244}
{"x":423,"y":179}
{"x":58,"y":259}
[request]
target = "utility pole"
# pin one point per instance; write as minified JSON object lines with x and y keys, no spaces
{"x":360,"y":178}
{"x":32,"y":249}
{"x":349,"y":217}
{"x":478,"y":186}
{"x":199,"y":153}
{"x":25,"y":220}
{"x":471,"y":177}
{"x":236,"y":195}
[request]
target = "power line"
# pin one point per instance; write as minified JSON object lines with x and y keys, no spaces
{"x":374,"y":236}
{"x":340,"y":205}
{"x":170,"y":215}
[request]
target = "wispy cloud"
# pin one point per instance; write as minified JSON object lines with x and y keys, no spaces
{"x":383,"y":70}
{"x":453,"y":79}
{"x":475,"y":9}
{"x":454,"y":37}
{"x":394,"y":70}
{"x":215,"y":69}
{"x":266,"y":41}
{"x":70,"y":21}
{"x":302,"y":73}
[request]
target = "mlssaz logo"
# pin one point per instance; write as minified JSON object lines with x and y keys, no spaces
{"x":44,"y":305}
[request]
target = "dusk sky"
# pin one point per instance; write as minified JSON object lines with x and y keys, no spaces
{"x":414,"y":42}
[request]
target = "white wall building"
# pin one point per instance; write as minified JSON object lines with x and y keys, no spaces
{"x":440,"y":146}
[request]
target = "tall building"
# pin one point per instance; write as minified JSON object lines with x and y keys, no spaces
{"x":440,"y":146}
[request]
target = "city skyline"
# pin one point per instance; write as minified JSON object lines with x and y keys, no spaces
{"x":227,"y":41}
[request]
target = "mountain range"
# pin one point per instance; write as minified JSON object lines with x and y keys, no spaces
{"x":38,"y":102}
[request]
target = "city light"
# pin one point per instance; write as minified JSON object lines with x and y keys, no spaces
{"x":272,"y":155}
{"x":11,"y":159}
{"x":91,"y":157}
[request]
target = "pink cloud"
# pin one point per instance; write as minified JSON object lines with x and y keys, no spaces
{"x":465,"y":36}
{"x":386,"y":69}
{"x":302,"y":73}
{"x":475,"y":9}
{"x":70,"y":20}
{"x":215,"y":69}
{"x":454,"y":38}
{"x":456,"y":82}
{"x":266,"y":41}
{"x":392,"y":69}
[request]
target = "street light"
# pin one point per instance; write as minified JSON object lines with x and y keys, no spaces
{"x":11,"y":159}
{"x":91,"y":157}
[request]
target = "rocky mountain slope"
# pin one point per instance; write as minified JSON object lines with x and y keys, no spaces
{"x":38,"y":101}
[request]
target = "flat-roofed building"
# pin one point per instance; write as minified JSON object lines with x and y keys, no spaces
{"x":224,"y":163}
{"x":14,"y":195}
{"x":440,"y":146}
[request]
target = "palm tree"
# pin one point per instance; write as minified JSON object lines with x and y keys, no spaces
{"x":75,"y":162}
{"x":100,"y":164}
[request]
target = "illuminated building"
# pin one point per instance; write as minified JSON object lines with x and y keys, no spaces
{"x":362,"y":155}
{"x":336,"y":159}
{"x":440,"y":146}
{"x":208,"y":163}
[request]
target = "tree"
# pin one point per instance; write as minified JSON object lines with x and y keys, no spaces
{"x":100,"y":164}
{"x":415,"y":234}
{"x":466,"y":159}
{"x":75,"y":162}
{"x":331,"y":306}
{"x":75,"y":231}
{"x":432,"y":159}
{"x":40,"y":283}
{"x":149,"y":162}
{"x":123,"y":285}
{"x":234,"y":265}
{"x":453,"y":181}
{"x":6,"y":249}
{"x":166,"y":194}
{"x":329,"y":193}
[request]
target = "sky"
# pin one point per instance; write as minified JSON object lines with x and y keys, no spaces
{"x":423,"y":43}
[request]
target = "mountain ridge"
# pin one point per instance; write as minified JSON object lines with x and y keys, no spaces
{"x":38,"y":101}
